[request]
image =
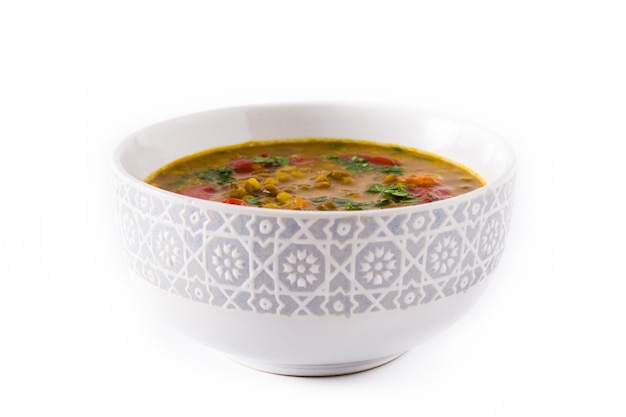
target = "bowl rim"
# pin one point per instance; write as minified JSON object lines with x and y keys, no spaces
{"x":120,"y":170}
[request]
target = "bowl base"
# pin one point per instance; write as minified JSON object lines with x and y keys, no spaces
{"x":333,"y":369}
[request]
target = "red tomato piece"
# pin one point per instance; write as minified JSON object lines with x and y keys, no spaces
{"x":379,"y":160}
{"x":440,"y":192}
{"x":430,"y":194}
{"x":242,"y":166}
{"x":235,"y":201}
{"x":300,"y":160}
{"x":204,"y":192}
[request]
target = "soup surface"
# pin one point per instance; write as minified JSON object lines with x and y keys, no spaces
{"x":316,"y":174}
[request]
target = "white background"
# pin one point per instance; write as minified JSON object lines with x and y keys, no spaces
{"x":76,"y":77}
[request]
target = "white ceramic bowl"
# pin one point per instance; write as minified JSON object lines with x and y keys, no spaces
{"x":376,"y":282}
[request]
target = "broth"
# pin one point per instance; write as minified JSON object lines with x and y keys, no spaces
{"x":316,"y":174}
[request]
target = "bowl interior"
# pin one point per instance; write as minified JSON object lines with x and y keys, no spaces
{"x":456,"y":139}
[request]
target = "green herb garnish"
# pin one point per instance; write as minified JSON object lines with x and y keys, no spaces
{"x":357,"y":163}
{"x":383,"y":202}
{"x":221,"y":175}
{"x":393,"y":169}
{"x":318,"y":200}
{"x":253,"y":201}
{"x":392,"y":193}
{"x":395,"y":190}
{"x":349,"y":204}
{"x":353,"y":164}
{"x":275,"y":161}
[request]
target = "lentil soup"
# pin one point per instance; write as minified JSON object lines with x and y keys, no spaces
{"x":316,"y":174}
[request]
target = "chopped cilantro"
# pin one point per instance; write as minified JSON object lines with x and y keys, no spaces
{"x":275,"y":161}
{"x":253,"y":201}
{"x":392,"y":193}
{"x":353,"y":164}
{"x":393,"y":169}
{"x":383,"y":202}
{"x":221,"y":175}
{"x":376,"y":188}
{"x":318,"y":200}
{"x":356,"y":163}
{"x":349,"y":204}
{"x":334,"y":158}
{"x":395,"y":190}
{"x":359,"y":164}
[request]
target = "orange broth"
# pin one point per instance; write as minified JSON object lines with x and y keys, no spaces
{"x":316,"y":174}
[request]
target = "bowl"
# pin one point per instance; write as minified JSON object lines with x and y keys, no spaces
{"x":378,"y":281}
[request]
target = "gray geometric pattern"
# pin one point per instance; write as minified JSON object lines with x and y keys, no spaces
{"x":317,"y":265}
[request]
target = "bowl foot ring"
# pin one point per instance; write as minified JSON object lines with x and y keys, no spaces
{"x":333,"y":369}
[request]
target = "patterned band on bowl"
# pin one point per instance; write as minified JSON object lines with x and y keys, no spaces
{"x":303,"y":266}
